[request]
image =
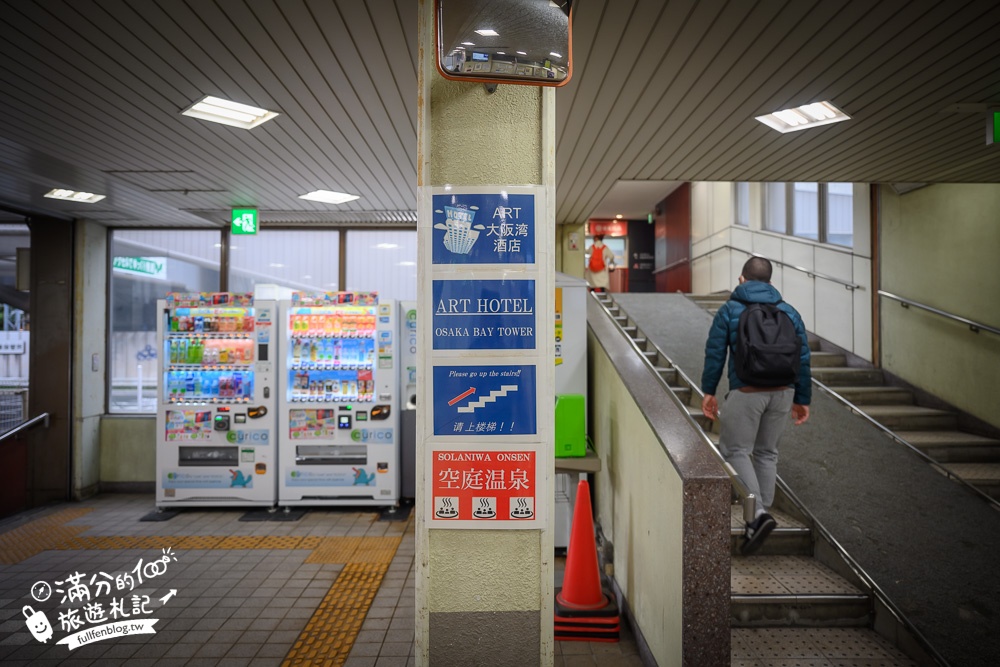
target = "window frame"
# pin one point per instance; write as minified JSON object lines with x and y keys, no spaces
{"x":822,"y":194}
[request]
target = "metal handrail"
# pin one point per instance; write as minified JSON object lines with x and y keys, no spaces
{"x":749,"y":500}
{"x":825,"y":534}
{"x":671,"y":265}
{"x":892,"y":434}
{"x":25,"y":425}
{"x":976,"y":327}
{"x":809,"y":272}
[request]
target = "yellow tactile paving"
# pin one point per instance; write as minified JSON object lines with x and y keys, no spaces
{"x":40,"y":535}
{"x":378,"y":550}
{"x":330,"y":633}
{"x":334,"y":550}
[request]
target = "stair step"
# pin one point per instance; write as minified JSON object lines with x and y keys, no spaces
{"x":683,"y":393}
{"x":793,"y":590}
{"x":954,"y":446}
{"x":851,"y":377}
{"x":983,"y":476}
{"x":814,"y":344}
{"x":790,"y":538}
{"x":669,"y":375}
{"x":827,"y":359}
{"x":911,"y":417}
{"x":876,"y":395}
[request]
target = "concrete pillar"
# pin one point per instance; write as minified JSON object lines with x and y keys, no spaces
{"x":484,"y":585}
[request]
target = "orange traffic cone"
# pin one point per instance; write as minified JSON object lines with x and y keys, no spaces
{"x":583,"y":611}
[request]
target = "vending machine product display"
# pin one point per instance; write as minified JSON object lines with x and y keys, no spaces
{"x":338,"y":400}
{"x":215,"y":416}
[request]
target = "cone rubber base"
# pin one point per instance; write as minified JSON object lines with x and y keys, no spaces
{"x":610,"y":608}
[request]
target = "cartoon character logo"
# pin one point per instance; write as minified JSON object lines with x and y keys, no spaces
{"x":38,"y":623}
{"x":239,"y":479}
{"x":363,"y":478}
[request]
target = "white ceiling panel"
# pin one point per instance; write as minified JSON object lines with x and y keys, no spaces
{"x":663,"y":91}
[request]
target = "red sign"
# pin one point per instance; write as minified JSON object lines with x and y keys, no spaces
{"x":609,"y":227}
{"x":484,"y":485}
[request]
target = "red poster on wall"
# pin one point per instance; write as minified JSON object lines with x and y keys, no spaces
{"x":487,"y":486}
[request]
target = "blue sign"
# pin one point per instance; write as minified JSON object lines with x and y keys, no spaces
{"x":484,"y":229}
{"x":484,"y":314}
{"x":484,"y":400}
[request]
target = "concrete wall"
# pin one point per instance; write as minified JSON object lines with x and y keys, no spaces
{"x":939,"y":247}
{"x":569,"y":260}
{"x":89,"y":345}
{"x":127,"y":450}
{"x":638,"y":502}
{"x":828,"y":309}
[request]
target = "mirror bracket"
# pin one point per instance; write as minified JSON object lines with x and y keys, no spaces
{"x":490,"y":87}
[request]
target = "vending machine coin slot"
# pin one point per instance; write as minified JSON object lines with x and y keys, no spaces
{"x":221,"y":422}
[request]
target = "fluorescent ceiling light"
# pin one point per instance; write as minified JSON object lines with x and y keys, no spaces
{"x":226,"y":112}
{"x":521,"y":53}
{"x":387,"y":246}
{"x":619,"y":216}
{"x":468,"y":44}
{"x":488,"y":32}
{"x":329,"y":197}
{"x":800,"y":118}
{"x":555,"y":55}
{"x":70,"y":195}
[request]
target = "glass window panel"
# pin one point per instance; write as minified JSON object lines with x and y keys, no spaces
{"x":774,"y":219}
{"x":298,"y":260}
{"x":15,"y":336}
{"x":805,"y":221}
{"x":384,"y":261}
{"x":840,"y":214}
{"x":743,"y":204}
{"x":146,"y":265}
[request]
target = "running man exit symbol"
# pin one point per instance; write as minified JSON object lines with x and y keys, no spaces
{"x":244,"y":221}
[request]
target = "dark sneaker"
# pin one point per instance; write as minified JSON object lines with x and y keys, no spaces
{"x":757,"y":532}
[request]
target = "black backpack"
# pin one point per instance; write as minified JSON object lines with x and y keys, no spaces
{"x":767,"y":347}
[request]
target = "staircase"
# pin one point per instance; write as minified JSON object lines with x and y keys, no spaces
{"x":797,"y":600}
{"x":935,"y":432}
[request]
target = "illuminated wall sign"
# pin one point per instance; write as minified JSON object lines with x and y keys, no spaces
{"x":244,"y":221}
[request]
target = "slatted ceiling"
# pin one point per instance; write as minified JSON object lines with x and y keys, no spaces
{"x":327,"y":82}
{"x":662,"y":90}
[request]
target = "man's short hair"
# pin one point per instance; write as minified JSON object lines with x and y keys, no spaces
{"x":757,"y":268}
{"x":598,"y":237}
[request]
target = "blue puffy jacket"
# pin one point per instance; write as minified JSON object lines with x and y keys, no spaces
{"x":722,"y":339}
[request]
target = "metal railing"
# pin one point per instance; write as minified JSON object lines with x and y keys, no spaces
{"x":24,"y":426}
{"x":749,"y":500}
{"x":976,"y":327}
{"x":809,"y":272}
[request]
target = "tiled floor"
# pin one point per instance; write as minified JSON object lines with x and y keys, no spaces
{"x":333,"y":588}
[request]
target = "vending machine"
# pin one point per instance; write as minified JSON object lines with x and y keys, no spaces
{"x":338,"y":400}
{"x":215,"y":416}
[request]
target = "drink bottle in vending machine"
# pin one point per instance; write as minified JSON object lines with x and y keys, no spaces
{"x":338,"y":440}
{"x":215,"y":415}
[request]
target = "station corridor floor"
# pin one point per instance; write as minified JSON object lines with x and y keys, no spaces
{"x":334,"y":587}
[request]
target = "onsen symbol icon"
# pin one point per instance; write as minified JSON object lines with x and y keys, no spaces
{"x":446,"y":508}
{"x":522,"y":508}
{"x":485,"y":508}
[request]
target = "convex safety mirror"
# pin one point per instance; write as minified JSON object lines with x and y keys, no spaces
{"x":509,"y":41}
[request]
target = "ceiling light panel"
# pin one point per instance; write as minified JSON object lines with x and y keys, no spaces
{"x":226,"y":112}
{"x":803,"y":117}
{"x":329,"y":197}
{"x":71,"y":195}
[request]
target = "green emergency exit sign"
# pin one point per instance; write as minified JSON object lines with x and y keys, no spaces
{"x":244,"y":221}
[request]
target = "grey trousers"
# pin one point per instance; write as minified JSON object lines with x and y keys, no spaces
{"x":752,"y":424}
